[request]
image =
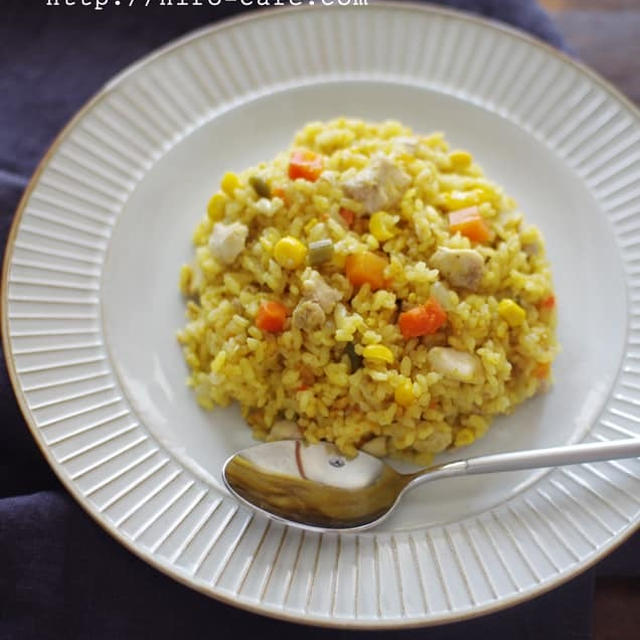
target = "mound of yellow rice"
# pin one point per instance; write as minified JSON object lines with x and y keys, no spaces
{"x":350,"y":376}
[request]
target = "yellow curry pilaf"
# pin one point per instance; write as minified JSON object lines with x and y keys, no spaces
{"x":369,"y":287}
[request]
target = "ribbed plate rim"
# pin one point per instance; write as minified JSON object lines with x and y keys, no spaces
{"x":150,"y":557}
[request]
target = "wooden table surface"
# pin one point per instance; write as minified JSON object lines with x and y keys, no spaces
{"x":605,"y":34}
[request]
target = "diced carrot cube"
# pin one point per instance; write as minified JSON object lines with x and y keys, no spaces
{"x":423,"y":320}
{"x":366,"y":267}
{"x":305,"y":164}
{"x":271,"y":316}
{"x":348,"y":216}
{"x":469,"y":223}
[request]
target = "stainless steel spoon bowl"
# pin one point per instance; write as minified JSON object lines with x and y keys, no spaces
{"x":315,"y":487}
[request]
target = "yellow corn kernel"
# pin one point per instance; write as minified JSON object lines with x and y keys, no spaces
{"x":511,"y":312}
{"x":382,"y":226}
{"x":215,"y":208}
{"x":378,"y":352}
{"x":464,"y":437}
{"x":289,"y":252}
{"x":229,"y":183}
{"x":186,"y":274}
{"x":453,"y":200}
{"x":460,"y":159}
{"x":403,"y":393}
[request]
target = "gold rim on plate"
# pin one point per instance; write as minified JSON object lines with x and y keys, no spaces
{"x":257,"y":16}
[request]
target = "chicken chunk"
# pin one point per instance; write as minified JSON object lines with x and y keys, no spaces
{"x":318,"y":299}
{"x":308,"y":315}
{"x":378,"y":186}
{"x":284,"y":430}
{"x":461,"y":267}
{"x":315,"y":288}
{"x":227,"y":240}
{"x":436,"y":442}
{"x":442,"y":294}
{"x":456,"y":365}
{"x":329,"y":176}
{"x":376,"y":447}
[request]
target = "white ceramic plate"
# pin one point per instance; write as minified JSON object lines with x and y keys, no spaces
{"x":91,"y":306}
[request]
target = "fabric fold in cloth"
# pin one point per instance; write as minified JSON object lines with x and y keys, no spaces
{"x":70,"y":580}
{"x":61,"y":575}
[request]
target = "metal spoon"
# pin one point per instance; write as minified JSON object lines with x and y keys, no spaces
{"x":315,"y":487}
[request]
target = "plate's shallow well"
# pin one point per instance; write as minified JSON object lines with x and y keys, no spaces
{"x":91,"y":308}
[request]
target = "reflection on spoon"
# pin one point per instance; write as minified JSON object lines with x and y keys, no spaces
{"x":316,"y":487}
{"x":313,"y":484}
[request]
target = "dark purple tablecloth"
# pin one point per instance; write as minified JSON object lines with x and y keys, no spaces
{"x":61,"y":575}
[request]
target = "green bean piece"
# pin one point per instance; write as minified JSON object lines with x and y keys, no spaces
{"x":260,"y":186}
{"x":354,"y":359}
{"x":320,"y":251}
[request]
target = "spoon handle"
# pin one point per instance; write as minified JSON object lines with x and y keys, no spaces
{"x":555,"y":457}
{"x":534,"y":459}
